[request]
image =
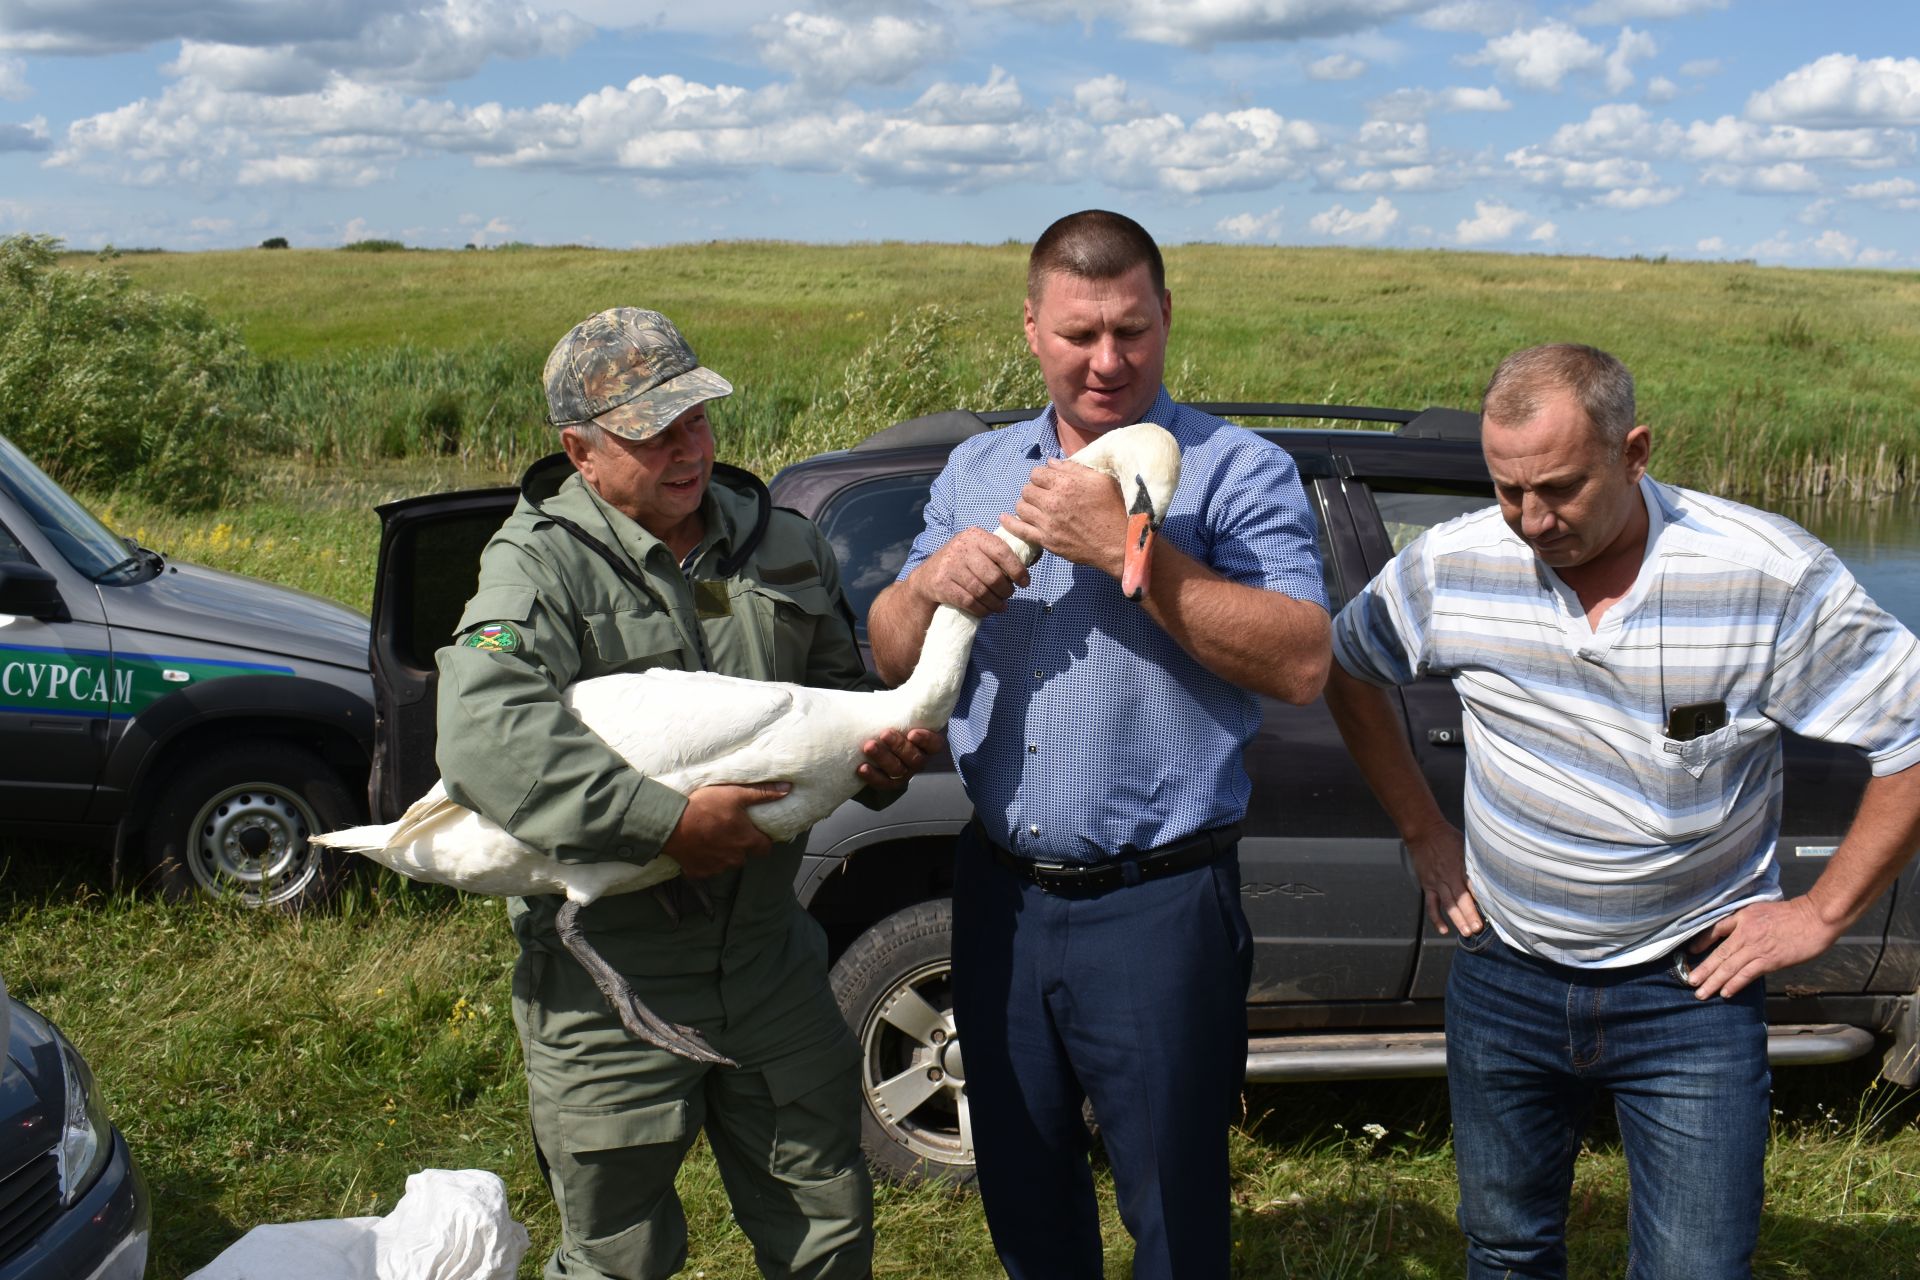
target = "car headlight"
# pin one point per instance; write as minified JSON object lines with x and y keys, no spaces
{"x":85,"y":1141}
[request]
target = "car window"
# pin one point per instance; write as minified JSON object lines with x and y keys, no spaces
{"x":1410,"y":512}
{"x":871,"y":526}
{"x":81,"y":540}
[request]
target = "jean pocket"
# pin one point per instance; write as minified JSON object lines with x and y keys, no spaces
{"x":1478,"y":942}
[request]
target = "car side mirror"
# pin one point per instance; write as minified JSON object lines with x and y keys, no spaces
{"x":28,"y":591}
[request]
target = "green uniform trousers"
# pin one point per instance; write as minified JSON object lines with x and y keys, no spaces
{"x":613,"y":1118}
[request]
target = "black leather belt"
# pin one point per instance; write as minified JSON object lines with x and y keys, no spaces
{"x":1128,"y":868}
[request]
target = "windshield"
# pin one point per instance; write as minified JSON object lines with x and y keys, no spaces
{"x":81,"y":540}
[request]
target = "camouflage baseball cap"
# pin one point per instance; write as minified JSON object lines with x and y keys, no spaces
{"x":629,"y":371}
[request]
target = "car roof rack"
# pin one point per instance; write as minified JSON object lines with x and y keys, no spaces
{"x":1434,"y":423}
{"x":951,"y":426}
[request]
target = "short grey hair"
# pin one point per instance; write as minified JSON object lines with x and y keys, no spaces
{"x":591,"y":434}
{"x":1599,"y":383}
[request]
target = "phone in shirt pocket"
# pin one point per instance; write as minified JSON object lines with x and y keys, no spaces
{"x":1697,"y":734}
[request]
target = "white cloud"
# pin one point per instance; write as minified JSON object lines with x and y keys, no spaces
{"x":998,"y":101}
{"x":1480,"y":17}
{"x":1712,"y":244}
{"x":1542,"y":57}
{"x":1411,"y":104}
{"x":1251,"y":226}
{"x":1836,"y":244}
{"x":1389,"y":142}
{"x":1337,"y":66}
{"x":307,"y":171}
{"x":1786,"y":177}
{"x":212,"y":224}
{"x":1840,"y":90}
{"x":110,"y":26}
{"x":1539,"y":57}
{"x":1413,"y":177}
{"x":1886,"y":189}
{"x":13,"y":80}
{"x":1661,"y":89}
{"x":827,"y":52}
{"x":481,"y":232}
{"x":1742,"y":142}
{"x":1107,"y":99}
{"x":1201,"y":24}
{"x":1230,"y":151}
{"x":1815,"y":213}
{"x":1545,"y":233}
{"x":31,"y":136}
{"x":1877,"y":257}
{"x":1700,"y":68}
{"x":1632,"y":45}
{"x":1603,"y":12}
{"x":1345,"y":223}
{"x":1631,"y":199}
{"x":1616,"y":128}
{"x":1612,"y":181}
{"x":1492,"y":221}
{"x":417,"y":47}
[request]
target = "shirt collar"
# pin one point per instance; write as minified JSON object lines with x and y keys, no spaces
{"x":1044,"y":441}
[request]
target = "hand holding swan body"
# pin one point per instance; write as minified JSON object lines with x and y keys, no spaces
{"x":692,"y":729}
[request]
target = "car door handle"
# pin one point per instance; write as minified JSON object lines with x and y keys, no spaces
{"x":1454,"y":737}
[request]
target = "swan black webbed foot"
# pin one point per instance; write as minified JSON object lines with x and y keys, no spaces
{"x":641,"y":1022}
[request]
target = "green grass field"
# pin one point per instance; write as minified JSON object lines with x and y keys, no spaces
{"x":1755,"y":379}
{"x":269,"y":1068}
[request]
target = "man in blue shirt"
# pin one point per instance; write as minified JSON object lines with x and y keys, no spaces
{"x":1100,"y":951}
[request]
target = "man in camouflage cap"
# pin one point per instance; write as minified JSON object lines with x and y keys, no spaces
{"x":645,"y":553}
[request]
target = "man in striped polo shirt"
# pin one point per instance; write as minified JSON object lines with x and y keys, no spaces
{"x":1626,"y":654}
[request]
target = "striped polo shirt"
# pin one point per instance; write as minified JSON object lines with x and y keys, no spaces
{"x":1593,"y":839}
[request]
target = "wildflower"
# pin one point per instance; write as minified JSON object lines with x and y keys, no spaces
{"x":1374,"y":1131}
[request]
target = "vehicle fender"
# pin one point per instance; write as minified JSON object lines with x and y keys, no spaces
{"x":934,"y":807}
{"x":295,"y":700}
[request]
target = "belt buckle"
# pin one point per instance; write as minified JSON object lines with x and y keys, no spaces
{"x":1051,"y":876}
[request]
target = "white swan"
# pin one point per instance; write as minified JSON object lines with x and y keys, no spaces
{"x":728,"y":729}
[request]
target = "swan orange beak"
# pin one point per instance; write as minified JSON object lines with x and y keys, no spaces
{"x":1136,"y":565}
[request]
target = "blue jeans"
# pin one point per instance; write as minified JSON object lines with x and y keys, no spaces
{"x":1530,"y":1047}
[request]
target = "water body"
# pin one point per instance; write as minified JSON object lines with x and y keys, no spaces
{"x":1880,"y":542}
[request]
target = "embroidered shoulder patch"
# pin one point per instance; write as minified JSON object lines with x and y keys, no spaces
{"x":494,"y":635}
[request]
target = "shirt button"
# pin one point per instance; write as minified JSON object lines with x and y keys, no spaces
{"x":1033,"y":828}
{"x":1033,"y":749}
{"x":1046,"y":608}
{"x":1039,"y":675}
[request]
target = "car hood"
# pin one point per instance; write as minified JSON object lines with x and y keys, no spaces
{"x":26,"y":1111}
{"x":225,"y":608}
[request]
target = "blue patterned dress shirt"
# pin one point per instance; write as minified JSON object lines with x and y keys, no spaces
{"x":1083,"y":729}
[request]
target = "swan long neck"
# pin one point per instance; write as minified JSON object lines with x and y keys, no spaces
{"x":934,"y":687}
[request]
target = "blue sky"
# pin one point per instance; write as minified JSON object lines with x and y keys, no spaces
{"x":1777,"y":130}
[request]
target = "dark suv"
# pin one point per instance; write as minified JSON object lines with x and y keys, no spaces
{"x":200,"y":723}
{"x":1348,"y":976}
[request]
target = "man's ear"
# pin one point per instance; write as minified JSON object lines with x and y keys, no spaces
{"x":1636,"y":449}
{"x":577,"y":451}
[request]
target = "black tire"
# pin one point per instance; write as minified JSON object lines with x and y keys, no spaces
{"x":234,"y":824}
{"x":893,"y":986}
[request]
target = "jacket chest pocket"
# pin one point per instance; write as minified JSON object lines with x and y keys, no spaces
{"x":783,"y":621}
{"x":631,"y":642}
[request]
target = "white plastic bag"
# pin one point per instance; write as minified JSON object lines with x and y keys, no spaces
{"x":452,"y":1224}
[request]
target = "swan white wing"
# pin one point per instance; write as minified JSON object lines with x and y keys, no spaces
{"x":663,"y":720}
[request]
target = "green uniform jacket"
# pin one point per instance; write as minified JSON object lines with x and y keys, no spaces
{"x":548,"y":611}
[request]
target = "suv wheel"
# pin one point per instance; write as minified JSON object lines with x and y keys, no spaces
{"x":235,"y":823}
{"x":893,"y":986}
